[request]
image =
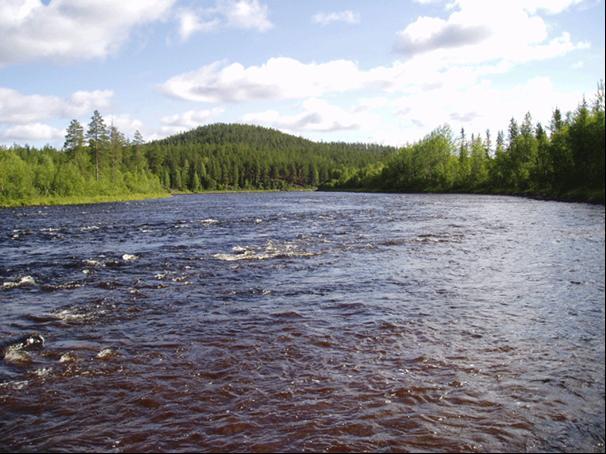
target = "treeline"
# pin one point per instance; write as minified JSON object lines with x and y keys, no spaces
{"x":101,"y":161}
{"x":564,"y":160}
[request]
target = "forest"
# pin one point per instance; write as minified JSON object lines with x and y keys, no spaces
{"x":563,"y":160}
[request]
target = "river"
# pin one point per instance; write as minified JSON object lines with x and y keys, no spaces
{"x":304,"y":322}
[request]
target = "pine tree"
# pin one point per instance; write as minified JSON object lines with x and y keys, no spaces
{"x":138,"y":138}
{"x":98,"y":139}
{"x":74,"y":137}
{"x":117,"y":141}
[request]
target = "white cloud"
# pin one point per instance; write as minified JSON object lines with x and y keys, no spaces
{"x":125,"y":123}
{"x":288,"y":78}
{"x":190,"y":23}
{"x":316,"y":115}
{"x":429,"y":33}
{"x":32,"y":132}
{"x":247,"y":14}
{"x":482,"y":106}
{"x":278,"y":78}
{"x":191,"y":119}
{"x":479,"y":31}
{"x":548,"y":6}
{"x":347,"y":16}
{"x":239,"y":14}
{"x":18,"y":108}
{"x":67,"y":29}
{"x":578,"y":65}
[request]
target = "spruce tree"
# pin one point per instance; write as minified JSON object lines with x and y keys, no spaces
{"x":74,"y":137}
{"x":98,"y":139}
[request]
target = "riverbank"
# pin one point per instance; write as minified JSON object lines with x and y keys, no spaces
{"x":87,"y":200}
{"x":594,"y":197}
{"x":80,"y":200}
{"x":579,"y":196}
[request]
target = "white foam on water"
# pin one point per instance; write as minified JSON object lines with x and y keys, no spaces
{"x":50,"y":229}
{"x":22,"y":282}
{"x":270,"y":251}
{"x":16,"y":385}
{"x":209,"y":221}
{"x":16,"y":355}
{"x":68,"y":316}
{"x":89,"y":228}
{"x":43,"y":372}
{"x":92,"y":262}
{"x":106,"y":353}
{"x":67,"y":358}
{"x":129,"y":257}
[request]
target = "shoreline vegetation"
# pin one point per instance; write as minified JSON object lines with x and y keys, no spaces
{"x":563,"y":161}
{"x":594,"y":198}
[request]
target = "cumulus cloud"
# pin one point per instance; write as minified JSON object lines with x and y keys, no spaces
{"x":548,"y":6}
{"x":32,"y":132}
{"x":125,"y":123}
{"x":190,"y":22}
{"x":316,"y":115}
{"x":19,"y":108}
{"x":477,"y":31}
{"x":239,"y":14}
{"x":428,"y":33}
{"x":67,"y":29}
{"x":247,"y":14}
{"x":483,"y":106}
{"x":278,"y":78}
{"x":191,"y":119}
{"x":347,"y":16}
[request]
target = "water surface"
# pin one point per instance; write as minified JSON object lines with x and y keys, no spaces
{"x":304,"y":321}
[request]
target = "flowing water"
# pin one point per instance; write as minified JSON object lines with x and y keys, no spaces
{"x":303,"y":321}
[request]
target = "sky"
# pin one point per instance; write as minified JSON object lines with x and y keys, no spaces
{"x":386,"y":71}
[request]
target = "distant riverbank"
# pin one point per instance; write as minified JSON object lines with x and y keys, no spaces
{"x":595,"y":197}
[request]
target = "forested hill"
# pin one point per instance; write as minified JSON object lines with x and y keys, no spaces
{"x":98,"y":162}
{"x":236,"y":156}
{"x":255,"y":136}
{"x":222,"y":133}
{"x":262,"y":138}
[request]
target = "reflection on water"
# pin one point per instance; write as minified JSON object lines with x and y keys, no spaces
{"x":303,"y":321}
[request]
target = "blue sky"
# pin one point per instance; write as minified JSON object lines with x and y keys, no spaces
{"x":381,"y":71}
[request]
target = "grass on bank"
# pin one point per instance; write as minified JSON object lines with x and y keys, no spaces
{"x":92,"y":199}
{"x":79,"y":200}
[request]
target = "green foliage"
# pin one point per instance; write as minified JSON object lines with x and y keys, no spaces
{"x":567,"y":163}
{"x":217,"y":157}
{"x":235,"y":157}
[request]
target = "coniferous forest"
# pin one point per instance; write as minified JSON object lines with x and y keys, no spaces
{"x":561,"y":160}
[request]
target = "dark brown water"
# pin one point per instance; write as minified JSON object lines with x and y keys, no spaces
{"x":304,"y":321}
